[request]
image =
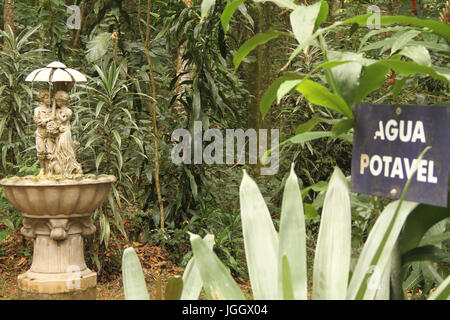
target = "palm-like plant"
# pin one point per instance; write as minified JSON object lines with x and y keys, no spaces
{"x":107,"y":121}
{"x":15,"y":116}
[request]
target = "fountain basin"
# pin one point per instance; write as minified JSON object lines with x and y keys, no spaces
{"x":43,"y":197}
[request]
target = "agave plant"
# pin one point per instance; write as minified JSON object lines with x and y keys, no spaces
{"x":277,"y":260}
{"x":186,"y":288}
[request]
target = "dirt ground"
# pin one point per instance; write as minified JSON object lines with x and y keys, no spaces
{"x":16,"y":253}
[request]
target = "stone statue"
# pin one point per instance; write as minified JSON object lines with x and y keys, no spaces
{"x":54,"y":144}
{"x":45,"y":144}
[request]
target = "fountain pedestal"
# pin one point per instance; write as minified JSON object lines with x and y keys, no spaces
{"x":58,"y":269}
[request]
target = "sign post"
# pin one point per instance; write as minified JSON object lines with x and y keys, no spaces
{"x":388,"y":140}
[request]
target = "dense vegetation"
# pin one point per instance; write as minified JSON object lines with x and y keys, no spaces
{"x":157,"y":66}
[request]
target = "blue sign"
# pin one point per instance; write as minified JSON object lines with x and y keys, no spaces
{"x":388,"y":140}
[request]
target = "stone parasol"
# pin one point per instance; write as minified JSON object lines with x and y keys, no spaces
{"x":59,"y":75}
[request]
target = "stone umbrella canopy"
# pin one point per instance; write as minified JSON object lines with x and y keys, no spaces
{"x":59,"y":75}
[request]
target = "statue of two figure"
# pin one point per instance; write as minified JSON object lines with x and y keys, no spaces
{"x":54,"y":144}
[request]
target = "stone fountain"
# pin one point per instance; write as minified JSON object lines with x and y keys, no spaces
{"x":57,"y":204}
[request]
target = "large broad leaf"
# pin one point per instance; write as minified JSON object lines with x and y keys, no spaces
{"x":293,"y":238}
{"x":442,"y":292}
{"x":98,"y":46}
{"x":192,"y":280}
{"x":372,"y":78}
{"x":333,"y":250}
{"x":403,"y":40}
{"x":288,"y":84}
{"x":228,"y":12}
{"x":217,"y":280}
{"x":303,"y":19}
{"x":437,"y":27}
{"x":252,"y":43}
{"x":321,"y":96}
{"x":134,"y":285}
{"x":418,"y":54}
{"x":426,"y":253}
{"x":419,"y":222}
{"x":346,"y":76}
{"x":260,"y":240}
{"x":271,"y":93}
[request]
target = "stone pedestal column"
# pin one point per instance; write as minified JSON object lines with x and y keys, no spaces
{"x":58,"y":270}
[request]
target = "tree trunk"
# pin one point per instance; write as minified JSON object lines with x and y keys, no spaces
{"x":8,"y":18}
{"x":259,"y":74}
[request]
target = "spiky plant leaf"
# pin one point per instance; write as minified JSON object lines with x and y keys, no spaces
{"x":260,"y":240}
{"x":333,"y":251}
{"x":292,"y":236}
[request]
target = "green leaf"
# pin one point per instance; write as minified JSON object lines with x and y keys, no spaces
{"x":252,"y":43}
{"x":174,"y":288}
{"x":320,"y":95}
{"x":271,"y":93}
{"x":117,"y":137}
{"x":418,"y":223}
{"x":217,"y":280}
{"x":196,"y":105}
{"x":303,"y":19}
{"x":286,"y":87}
{"x":260,"y":241}
{"x":192,"y":279}
{"x":310,"y":211}
{"x":333,"y":250}
{"x":292,"y":242}
{"x":403,"y":40}
{"x":323,"y":13}
{"x":98,"y":46}
{"x":134,"y":285}
{"x":435,"y":238}
{"x":438,"y":28}
{"x":206,"y":8}
{"x":425,"y":253}
{"x":418,"y":54}
{"x":399,"y":83}
{"x":372,"y":78}
{"x":343,"y":126}
{"x":99,"y":159}
{"x":346,"y":76}
{"x":442,"y":292}
{"x":308,"y":136}
{"x":308,"y":126}
{"x":228,"y":12}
